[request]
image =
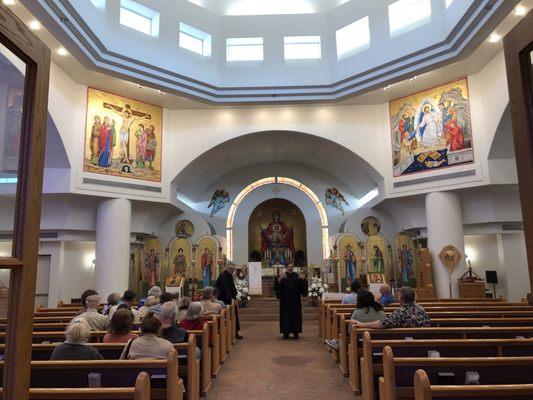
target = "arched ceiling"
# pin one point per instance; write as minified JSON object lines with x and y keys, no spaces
{"x":308,"y":158}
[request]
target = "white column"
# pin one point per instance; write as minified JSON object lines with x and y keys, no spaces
{"x":113,"y":223}
{"x":445,"y":226}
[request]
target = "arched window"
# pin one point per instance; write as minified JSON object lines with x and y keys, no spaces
{"x":269,"y":181}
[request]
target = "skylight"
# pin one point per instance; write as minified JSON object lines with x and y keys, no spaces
{"x":138,"y":17}
{"x":195,"y":40}
{"x":244,"y":49}
{"x":302,"y":47}
{"x":406,"y":15}
{"x":353,"y":38}
{"x":269,"y":7}
{"x":448,"y":3}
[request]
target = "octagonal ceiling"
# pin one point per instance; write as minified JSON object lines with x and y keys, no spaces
{"x":92,"y":33}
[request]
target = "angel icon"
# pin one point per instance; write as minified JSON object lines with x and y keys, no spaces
{"x":218,"y":201}
{"x":335,"y":199}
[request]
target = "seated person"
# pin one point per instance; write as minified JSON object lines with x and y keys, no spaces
{"x":351,"y":298}
{"x":128,"y":298}
{"x":210,"y":307}
{"x":75,"y":346}
{"x":408,"y":315}
{"x":96,"y":321}
{"x":149,"y":344}
{"x":183,"y":306}
{"x":84,"y":295}
{"x":149,"y":302}
{"x":120,"y":327}
{"x":153,"y":291}
{"x":112,"y":300}
{"x":166,"y":296}
{"x":193,"y":318}
{"x":216,"y":300}
{"x":386,"y":295}
{"x":368,"y":310}
{"x":171,"y":331}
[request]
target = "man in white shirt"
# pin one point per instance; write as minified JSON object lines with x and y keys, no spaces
{"x":96,"y":321}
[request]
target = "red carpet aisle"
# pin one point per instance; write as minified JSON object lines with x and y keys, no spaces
{"x":263,"y":367}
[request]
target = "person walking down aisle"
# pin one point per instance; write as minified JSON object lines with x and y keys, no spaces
{"x":289,"y":288}
{"x":227,"y":292}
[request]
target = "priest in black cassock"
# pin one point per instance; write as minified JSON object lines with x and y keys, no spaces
{"x":289,"y":288}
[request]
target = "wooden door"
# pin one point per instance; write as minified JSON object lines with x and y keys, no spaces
{"x":24,"y":80}
{"x":518,"y":47}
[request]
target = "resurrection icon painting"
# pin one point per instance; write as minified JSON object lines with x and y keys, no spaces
{"x":431,"y":129}
{"x":122,"y":137}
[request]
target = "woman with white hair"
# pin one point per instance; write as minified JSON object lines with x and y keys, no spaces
{"x":75,"y":346}
{"x":193,"y":319}
{"x":171,"y":331}
{"x":148,"y":303}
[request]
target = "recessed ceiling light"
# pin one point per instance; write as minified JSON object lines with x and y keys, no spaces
{"x":62,"y":51}
{"x":35,"y":25}
{"x":140,"y":86}
{"x":520,"y":10}
{"x":494,"y":37}
{"x":412,"y":79}
{"x":161,"y":92}
{"x":8,"y":2}
{"x":386,"y":87}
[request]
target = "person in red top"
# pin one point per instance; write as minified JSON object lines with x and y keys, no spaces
{"x":193,"y":320}
{"x":120,"y":327}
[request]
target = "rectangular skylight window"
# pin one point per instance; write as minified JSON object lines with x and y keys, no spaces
{"x":244,"y":49}
{"x":448,"y":3}
{"x":353,"y":38}
{"x":302,"y":47}
{"x":195,"y":40}
{"x":406,"y":15}
{"x":138,"y":17}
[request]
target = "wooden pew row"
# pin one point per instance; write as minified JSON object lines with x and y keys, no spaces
{"x":141,"y":391}
{"x":112,"y":351}
{"x":424,"y":390}
{"x":333,"y":313}
{"x":325,"y":310}
{"x":355,"y":348}
{"x":398,"y":372}
{"x":341,"y":356}
{"x":113,"y":373}
{"x":373,"y":349}
{"x":197,"y":369}
{"x":334,"y":325}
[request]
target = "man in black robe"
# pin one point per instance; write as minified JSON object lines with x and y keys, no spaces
{"x":289,"y":288}
{"x":227,"y":292}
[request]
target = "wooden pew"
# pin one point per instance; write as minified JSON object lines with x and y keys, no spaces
{"x":141,"y":391}
{"x":112,"y":351}
{"x":424,"y":390}
{"x":398,"y":372}
{"x":355,"y":348}
{"x":372,"y":350}
{"x":74,"y":374}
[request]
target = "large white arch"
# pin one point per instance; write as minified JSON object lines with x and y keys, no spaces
{"x":269,"y":181}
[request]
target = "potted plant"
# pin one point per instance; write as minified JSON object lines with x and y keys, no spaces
{"x":317,"y":289}
{"x":241,"y":284}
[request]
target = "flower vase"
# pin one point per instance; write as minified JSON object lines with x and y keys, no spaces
{"x":314,"y":301}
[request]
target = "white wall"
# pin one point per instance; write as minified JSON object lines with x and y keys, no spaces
{"x":504,"y":253}
{"x":77,"y":273}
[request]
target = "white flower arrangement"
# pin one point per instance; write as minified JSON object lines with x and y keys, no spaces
{"x":242,"y":289}
{"x":318,"y":288}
